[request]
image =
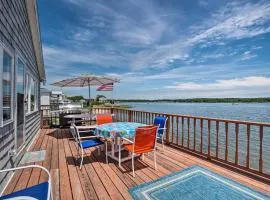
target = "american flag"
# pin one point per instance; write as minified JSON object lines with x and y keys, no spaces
{"x":105,"y":87}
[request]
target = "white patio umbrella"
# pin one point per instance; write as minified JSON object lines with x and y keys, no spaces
{"x":86,"y":81}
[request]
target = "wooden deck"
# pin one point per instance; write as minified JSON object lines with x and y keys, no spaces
{"x":98,"y":180}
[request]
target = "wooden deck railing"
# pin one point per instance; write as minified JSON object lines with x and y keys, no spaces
{"x":243,"y":145}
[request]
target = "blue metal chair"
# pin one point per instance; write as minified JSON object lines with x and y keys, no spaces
{"x":86,"y":142}
{"x":40,"y":191}
{"x":161,"y":121}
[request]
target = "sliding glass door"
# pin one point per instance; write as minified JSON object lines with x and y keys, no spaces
{"x":20,"y":111}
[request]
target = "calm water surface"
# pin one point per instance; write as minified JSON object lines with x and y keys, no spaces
{"x":244,"y":111}
{"x":259,"y":112}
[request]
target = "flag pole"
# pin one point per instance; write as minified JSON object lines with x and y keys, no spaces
{"x":113,"y":95}
{"x":89,"y":96}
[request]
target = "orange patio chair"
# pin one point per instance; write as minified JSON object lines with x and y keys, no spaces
{"x":104,"y":119}
{"x":144,"y":142}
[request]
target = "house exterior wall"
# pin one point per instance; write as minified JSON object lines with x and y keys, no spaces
{"x":45,"y":99}
{"x":45,"y":104}
{"x":15,"y":35}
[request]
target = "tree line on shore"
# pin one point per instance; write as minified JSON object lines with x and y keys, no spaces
{"x":191,"y":100}
{"x":203,"y":100}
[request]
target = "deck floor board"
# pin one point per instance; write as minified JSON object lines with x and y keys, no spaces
{"x":98,"y":180}
{"x":21,"y":179}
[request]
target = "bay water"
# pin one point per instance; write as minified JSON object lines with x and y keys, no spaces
{"x":255,"y":112}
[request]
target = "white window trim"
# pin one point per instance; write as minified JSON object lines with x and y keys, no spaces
{"x":18,"y":56}
{"x":30,"y":75}
{"x":2,"y":49}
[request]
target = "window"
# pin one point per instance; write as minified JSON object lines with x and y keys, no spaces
{"x":27,"y":92}
{"x":31,"y":96}
{"x":7,"y":85}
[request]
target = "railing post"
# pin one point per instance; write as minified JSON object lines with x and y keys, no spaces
{"x":226,"y":140}
{"x":248,"y":145}
{"x":172,"y":125}
{"x":177,"y":129}
{"x":111,"y":110}
{"x":236,"y":142}
{"x":183,"y":130}
{"x":217,"y":132}
{"x":261,"y":150}
{"x":51,"y":122}
{"x":209,"y":139}
{"x":201,"y":147}
{"x":188,"y":127}
{"x":41,"y":119}
{"x":129,"y":116}
{"x":168,"y":130}
{"x":194,"y":132}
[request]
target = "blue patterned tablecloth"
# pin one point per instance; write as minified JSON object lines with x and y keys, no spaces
{"x":121,"y":129}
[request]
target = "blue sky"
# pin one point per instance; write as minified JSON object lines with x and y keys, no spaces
{"x":160,"y":48}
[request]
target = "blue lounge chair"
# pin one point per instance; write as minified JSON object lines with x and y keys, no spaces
{"x":161,"y":121}
{"x":40,"y":191}
{"x":86,"y":142}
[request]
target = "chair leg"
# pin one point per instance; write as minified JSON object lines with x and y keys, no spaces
{"x":155,"y":160}
{"x":81,"y":160}
{"x":78,"y":153}
{"x":106,"y":151}
{"x":51,"y":196}
{"x":119,"y":155}
{"x":132,"y":160}
{"x":102,"y":148}
{"x":162,"y":143}
{"x":99,"y":151}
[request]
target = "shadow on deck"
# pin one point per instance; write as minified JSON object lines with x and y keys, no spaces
{"x":98,"y":180}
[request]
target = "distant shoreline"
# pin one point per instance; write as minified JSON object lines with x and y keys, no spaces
{"x":200,"y":100}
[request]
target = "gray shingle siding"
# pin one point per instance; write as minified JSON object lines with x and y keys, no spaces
{"x":15,"y":35}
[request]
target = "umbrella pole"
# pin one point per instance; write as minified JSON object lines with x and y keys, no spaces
{"x":89,"y":94}
{"x":89,"y":102}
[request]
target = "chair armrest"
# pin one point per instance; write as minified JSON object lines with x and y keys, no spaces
{"x":88,"y":137}
{"x":87,"y":127}
{"x":25,"y":167}
{"x":86,"y":131}
{"x":33,"y":166}
{"x":128,"y":140}
{"x":76,"y":121}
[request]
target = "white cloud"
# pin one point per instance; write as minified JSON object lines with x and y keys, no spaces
{"x":234,"y":21}
{"x":143,"y":37}
{"x":143,"y":25}
{"x":244,"y":87}
{"x":247,"y":55}
{"x":256,"y":47}
{"x":97,"y":22}
{"x":203,"y":3}
{"x":251,"y":82}
{"x":144,"y":28}
{"x":62,"y":57}
{"x":218,"y":55}
{"x":84,"y":35}
{"x":128,"y":77}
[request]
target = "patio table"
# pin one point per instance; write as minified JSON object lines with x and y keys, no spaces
{"x":79,"y":116}
{"x":116,"y":131}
